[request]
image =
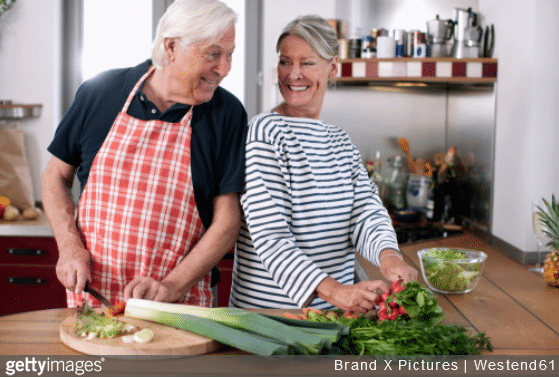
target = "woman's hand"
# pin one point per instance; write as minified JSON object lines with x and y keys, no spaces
{"x":358,"y":298}
{"x":149,"y":288}
{"x":393,"y":268}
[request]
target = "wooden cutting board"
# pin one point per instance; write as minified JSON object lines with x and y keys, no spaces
{"x":167,"y":341}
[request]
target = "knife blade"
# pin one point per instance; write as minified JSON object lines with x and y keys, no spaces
{"x":98,"y":296}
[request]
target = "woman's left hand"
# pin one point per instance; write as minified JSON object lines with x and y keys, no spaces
{"x":395,"y":269}
{"x":149,"y":288}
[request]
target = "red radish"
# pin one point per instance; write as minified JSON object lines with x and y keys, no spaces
{"x":396,"y":286}
{"x":382,"y":314}
{"x":393,"y":314}
{"x":382,"y":306}
{"x":384,"y":296}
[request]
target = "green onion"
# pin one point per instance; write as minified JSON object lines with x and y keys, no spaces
{"x":236,"y":327}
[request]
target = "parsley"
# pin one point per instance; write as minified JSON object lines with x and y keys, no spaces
{"x":412,"y":337}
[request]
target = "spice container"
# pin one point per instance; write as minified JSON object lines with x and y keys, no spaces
{"x":354,"y":48}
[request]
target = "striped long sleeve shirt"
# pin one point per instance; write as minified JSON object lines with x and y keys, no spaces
{"x":308,"y":206}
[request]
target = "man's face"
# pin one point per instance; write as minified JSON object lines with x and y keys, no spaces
{"x":201,"y":68}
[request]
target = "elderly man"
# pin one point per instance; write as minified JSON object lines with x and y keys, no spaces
{"x":159,"y":152}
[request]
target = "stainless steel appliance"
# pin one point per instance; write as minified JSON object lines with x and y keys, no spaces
{"x":467,"y":34}
{"x":439,"y":32}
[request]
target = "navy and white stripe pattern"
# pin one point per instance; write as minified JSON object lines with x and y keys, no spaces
{"x":308,"y":205}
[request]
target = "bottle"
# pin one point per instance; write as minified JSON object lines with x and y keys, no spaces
{"x":377,"y":165}
{"x":449,"y":200}
{"x":433,"y":212}
{"x":397,"y":183}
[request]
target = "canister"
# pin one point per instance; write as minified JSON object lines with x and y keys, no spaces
{"x":343,"y":52}
{"x":409,"y":43}
{"x":354,"y":48}
{"x":419,"y":45}
{"x":418,"y":191}
{"x":399,"y":36}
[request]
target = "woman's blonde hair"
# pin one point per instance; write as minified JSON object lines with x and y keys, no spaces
{"x":317,"y":32}
{"x":191,"y":21}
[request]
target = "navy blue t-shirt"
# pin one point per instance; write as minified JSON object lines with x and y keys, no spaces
{"x":218,"y":132}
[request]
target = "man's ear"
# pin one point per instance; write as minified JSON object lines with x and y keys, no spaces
{"x":170,"y":45}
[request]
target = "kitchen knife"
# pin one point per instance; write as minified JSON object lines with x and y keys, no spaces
{"x":98,"y":296}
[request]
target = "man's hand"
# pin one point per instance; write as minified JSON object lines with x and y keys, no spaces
{"x":73,"y":268}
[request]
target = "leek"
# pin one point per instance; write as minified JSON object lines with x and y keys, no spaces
{"x":245,"y":330}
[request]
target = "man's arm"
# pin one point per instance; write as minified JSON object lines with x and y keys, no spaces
{"x":72,"y":268}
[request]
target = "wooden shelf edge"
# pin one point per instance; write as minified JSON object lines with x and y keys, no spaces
{"x":440,"y":80}
{"x":426,"y":60}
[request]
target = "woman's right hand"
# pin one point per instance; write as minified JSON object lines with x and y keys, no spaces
{"x":357,"y":298}
{"x":73,"y":268}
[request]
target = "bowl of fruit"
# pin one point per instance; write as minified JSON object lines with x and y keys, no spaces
{"x":451,"y":270}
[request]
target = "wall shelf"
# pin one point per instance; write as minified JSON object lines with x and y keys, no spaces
{"x":424,"y":70}
{"x":9,"y":111}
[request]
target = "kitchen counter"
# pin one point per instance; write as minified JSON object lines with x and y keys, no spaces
{"x":515,"y":308}
{"x":27,"y":228}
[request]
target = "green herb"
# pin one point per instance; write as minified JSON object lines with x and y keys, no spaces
{"x":91,"y":324}
{"x":419,"y":302}
{"x":413,"y":337}
{"x":445,"y":274}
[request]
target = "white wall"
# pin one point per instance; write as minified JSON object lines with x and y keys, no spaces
{"x":527,"y":123}
{"x":30,"y":72}
{"x":277,"y":14}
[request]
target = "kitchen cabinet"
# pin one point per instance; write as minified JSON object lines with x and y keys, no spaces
{"x":426,"y":70}
{"x":28,"y":256}
{"x":226,"y":279}
{"x":28,"y":279}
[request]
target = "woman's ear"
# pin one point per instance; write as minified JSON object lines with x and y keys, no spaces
{"x":333,"y":68}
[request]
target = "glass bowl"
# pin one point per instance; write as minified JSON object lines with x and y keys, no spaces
{"x":451,"y":273}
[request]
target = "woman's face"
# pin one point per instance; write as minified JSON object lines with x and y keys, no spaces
{"x":303,"y":76}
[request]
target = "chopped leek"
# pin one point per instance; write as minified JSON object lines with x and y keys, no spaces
{"x":236,"y":327}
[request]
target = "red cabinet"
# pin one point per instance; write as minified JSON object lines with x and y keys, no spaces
{"x":27,"y":275}
{"x":226,"y":279}
{"x":28,"y":279}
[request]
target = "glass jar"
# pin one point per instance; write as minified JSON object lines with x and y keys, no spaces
{"x":396,"y":181}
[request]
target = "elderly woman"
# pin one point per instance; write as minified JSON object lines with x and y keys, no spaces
{"x":308,"y":202}
{"x":159,"y":152}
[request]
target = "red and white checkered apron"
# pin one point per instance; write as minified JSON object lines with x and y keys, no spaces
{"x":137,"y":213}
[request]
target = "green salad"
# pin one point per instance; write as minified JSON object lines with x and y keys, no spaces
{"x":445,"y":274}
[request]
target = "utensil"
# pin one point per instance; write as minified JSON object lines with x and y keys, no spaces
{"x":489,"y":41}
{"x":405,"y":147}
{"x":98,"y":296}
{"x":419,"y":166}
{"x":428,"y":169}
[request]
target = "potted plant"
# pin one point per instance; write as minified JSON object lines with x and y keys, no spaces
{"x":550,"y":218}
{"x":5,"y":5}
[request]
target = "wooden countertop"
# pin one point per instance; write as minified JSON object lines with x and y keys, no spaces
{"x":515,"y":308}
